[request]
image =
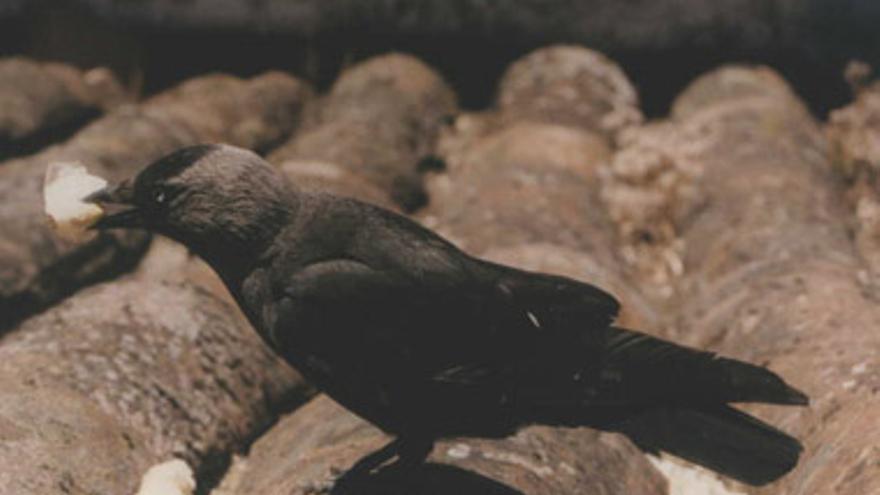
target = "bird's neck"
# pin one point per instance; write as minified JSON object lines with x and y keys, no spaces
{"x":234,"y":250}
{"x":230,"y":257}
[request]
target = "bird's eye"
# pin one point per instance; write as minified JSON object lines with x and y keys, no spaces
{"x":159,"y":196}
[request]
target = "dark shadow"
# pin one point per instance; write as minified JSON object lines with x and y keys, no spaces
{"x":428,"y":479}
{"x":810,"y":47}
{"x":102,"y":259}
{"x":12,"y":148}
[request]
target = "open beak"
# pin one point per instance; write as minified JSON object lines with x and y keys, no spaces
{"x":118,"y":203}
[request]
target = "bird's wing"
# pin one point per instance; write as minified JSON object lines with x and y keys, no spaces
{"x":557,"y":303}
{"x":464,"y":325}
{"x":390,"y":315}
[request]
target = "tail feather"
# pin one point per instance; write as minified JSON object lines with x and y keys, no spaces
{"x":653,"y":370}
{"x":720,"y":438}
{"x":667,"y":398}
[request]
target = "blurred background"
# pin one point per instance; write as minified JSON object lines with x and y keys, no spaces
{"x":661,"y":44}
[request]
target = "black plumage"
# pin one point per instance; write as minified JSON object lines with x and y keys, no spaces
{"x":425,"y":341}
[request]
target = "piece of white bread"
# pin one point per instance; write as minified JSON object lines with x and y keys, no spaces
{"x":64,"y":188}
{"x":173,"y":477}
{"x":687,"y":479}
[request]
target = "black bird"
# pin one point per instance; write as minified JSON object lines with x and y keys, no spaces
{"x":425,"y":341}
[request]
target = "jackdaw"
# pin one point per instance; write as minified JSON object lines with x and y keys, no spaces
{"x":425,"y":341}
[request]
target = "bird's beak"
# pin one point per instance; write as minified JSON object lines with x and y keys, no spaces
{"x":118,"y":203}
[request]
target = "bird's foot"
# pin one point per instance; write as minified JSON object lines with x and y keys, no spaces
{"x":371,"y":474}
{"x":389,"y":480}
{"x":398,"y":477}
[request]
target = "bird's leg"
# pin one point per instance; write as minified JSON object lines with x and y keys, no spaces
{"x":362,"y":469}
{"x":411,"y":453}
{"x":373,"y":460}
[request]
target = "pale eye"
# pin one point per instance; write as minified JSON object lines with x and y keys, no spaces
{"x":159,"y":196}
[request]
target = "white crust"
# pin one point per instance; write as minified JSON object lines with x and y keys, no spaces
{"x":173,"y":477}
{"x":66,"y":184}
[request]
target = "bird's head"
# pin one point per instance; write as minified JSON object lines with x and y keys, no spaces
{"x":218,"y":200}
